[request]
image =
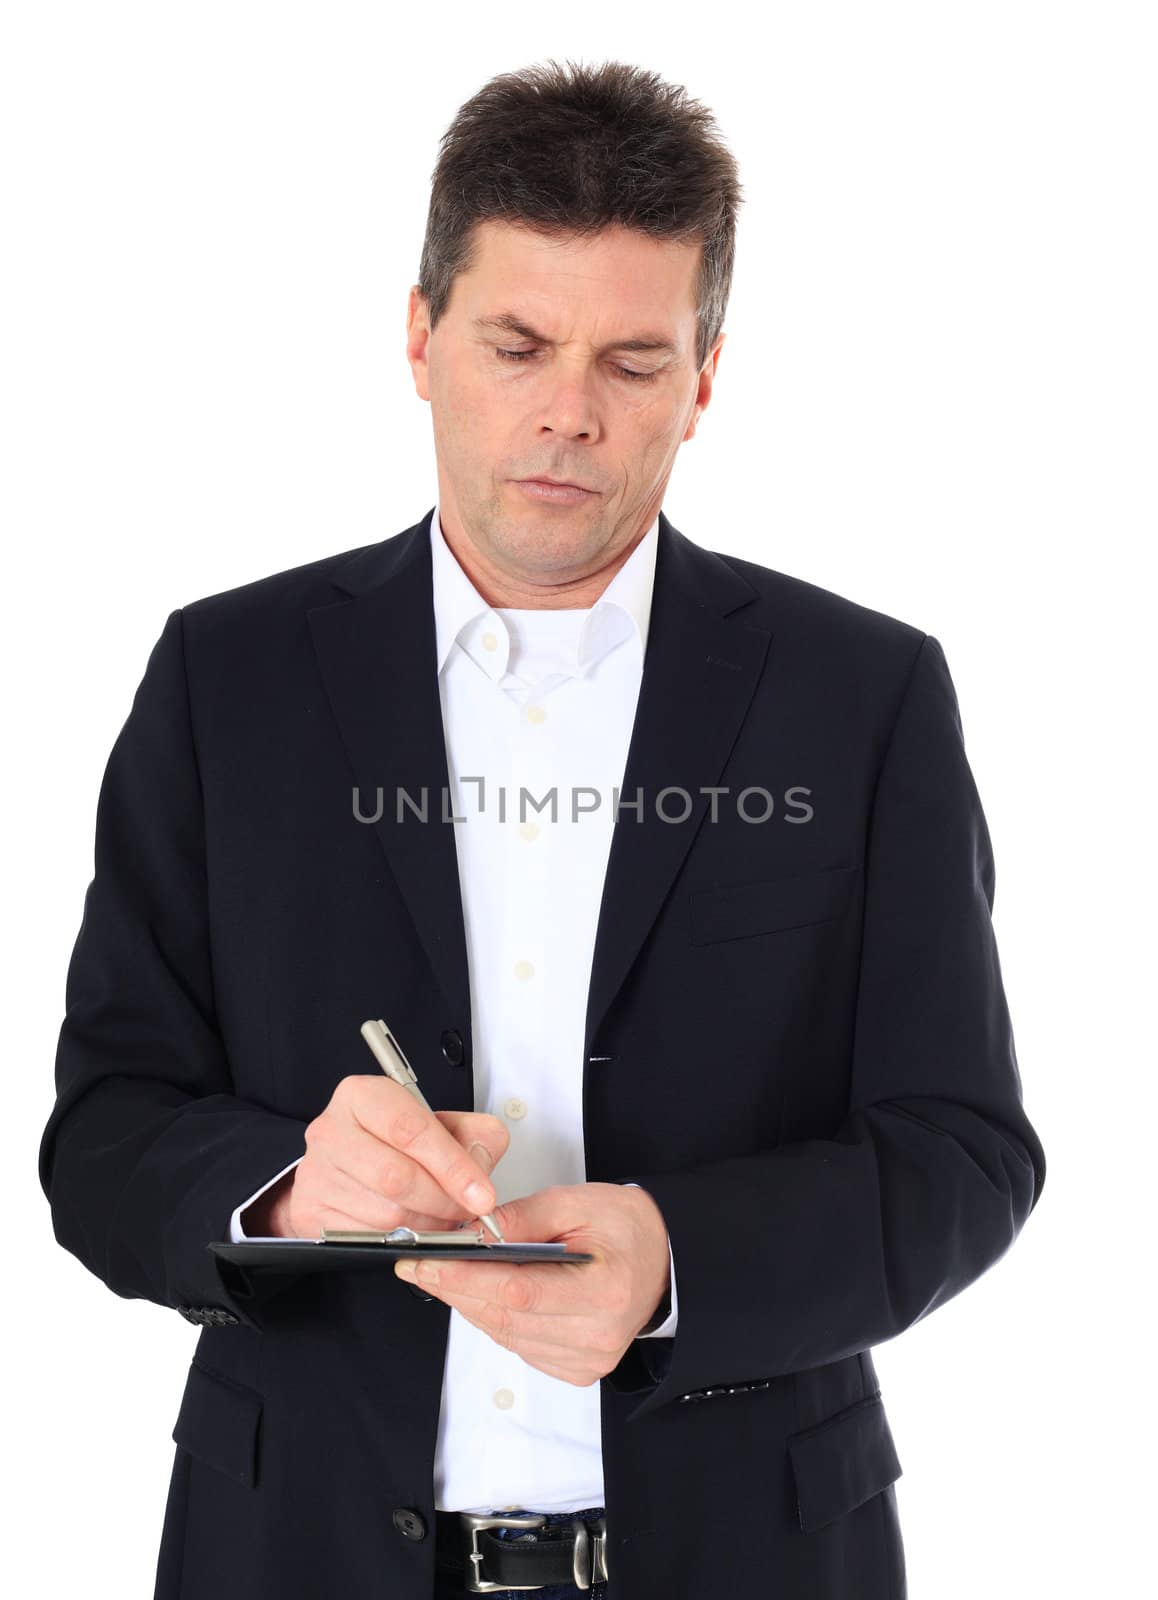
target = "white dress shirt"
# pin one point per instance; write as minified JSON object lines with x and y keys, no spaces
{"x":542,"y":701}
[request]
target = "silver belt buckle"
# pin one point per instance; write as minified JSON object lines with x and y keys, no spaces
{"x":474,"y":1521}
{"x":588,"y":1553}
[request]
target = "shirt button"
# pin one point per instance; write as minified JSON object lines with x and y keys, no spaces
{"x":489,"y":641}
{"x":524,"y":969}
{"x":536,"y":714}
{"x":515,"y":1108}
{"x":528,"y":830}
{"x":504,"y":1399}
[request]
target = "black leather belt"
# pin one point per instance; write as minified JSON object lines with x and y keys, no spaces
{"x":572,"y":1551}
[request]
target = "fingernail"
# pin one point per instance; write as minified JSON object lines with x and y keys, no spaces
{"x":482,"y":1155}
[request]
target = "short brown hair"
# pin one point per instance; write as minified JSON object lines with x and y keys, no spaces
{"x":571,"y":150}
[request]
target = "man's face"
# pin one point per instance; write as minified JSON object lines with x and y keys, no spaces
{"x":564,"y":404}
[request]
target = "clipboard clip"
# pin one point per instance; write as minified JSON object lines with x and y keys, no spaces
{"x":413,"y":1236}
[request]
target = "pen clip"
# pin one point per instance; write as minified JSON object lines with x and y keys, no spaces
{"x":388,"y":1052}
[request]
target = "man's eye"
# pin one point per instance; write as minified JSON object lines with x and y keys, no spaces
{"x":525,"y":355}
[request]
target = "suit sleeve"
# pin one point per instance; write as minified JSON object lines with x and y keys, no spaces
{"x":837,"y":1244}
{"x":148,"y":1145}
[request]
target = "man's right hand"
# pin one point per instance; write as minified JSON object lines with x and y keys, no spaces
{"x":377,"y":1159}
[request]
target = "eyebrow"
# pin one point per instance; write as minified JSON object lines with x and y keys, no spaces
{"x":510,"y":322}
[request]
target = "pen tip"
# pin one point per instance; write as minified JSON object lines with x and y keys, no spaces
{"x":489,"y":1223}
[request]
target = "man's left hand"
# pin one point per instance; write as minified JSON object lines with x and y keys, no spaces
{"x":572,"y":1322}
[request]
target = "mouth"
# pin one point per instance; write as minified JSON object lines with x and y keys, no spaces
{"x":550,"y":491}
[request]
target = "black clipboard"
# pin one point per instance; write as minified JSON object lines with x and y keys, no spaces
{"x":328,"y":1255}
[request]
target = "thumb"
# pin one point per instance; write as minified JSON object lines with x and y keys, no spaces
{"x":540,"y":1218}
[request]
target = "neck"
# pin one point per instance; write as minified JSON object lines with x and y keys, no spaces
{"x":526,"y":591}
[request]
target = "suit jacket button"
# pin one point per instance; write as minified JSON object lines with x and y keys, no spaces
{"x":190,"y":1313}
{"x":409,"y":1523}
{"x":452,"y":1047}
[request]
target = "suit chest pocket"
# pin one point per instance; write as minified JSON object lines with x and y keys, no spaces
{"x":773,"y":905}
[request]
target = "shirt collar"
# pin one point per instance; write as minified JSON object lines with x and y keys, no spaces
{"x":463,"y":617}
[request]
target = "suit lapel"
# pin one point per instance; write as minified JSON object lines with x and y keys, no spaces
{"x":699,"y":675}
{"x":376,"y":651}
{"x":378,"y":660}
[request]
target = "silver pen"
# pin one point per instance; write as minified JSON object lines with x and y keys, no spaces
{"x":389,"y":1056}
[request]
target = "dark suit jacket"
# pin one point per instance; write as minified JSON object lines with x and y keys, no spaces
{"x":796,"y":1040}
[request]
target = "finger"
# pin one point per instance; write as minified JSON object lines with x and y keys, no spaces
{"x":404,"y":1125}
{"x":372,"y":1210}
{"x":478,"y":1127}
{"x":331,"y":1217}
{"x":573,"y":1346}
{"x":388,"y":1188}
{"x":538,"y":1298}
{"x":393,"y":1172}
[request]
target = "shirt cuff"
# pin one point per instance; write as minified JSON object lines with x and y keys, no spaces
{"x":667,"y":1327}
{"x":236,"y":1232}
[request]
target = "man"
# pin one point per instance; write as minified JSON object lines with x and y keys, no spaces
{"x":730,"y":1018}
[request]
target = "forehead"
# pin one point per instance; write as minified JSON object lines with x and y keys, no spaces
{"x":635,"y":286}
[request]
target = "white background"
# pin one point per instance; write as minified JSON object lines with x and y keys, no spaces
{"x":937,"y":396}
